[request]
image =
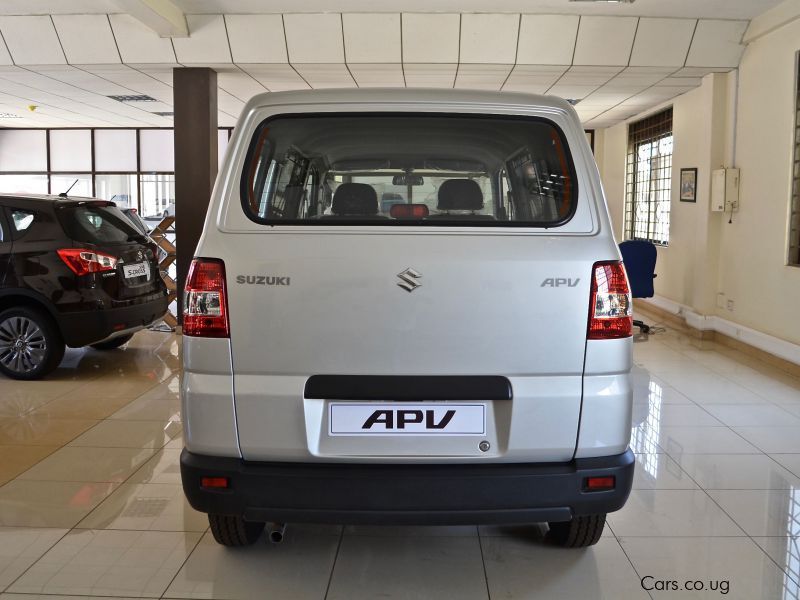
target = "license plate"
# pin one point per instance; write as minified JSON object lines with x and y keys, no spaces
{"x":136,"y":270}
{"x":351,"y":418}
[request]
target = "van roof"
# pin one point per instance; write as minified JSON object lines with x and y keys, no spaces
{"x":394,"y":95}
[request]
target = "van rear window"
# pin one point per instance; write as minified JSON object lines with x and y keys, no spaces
{"x":409,"y":169}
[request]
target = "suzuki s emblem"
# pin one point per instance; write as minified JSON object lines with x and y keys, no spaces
{"x":139,"y":255}
{"x":408,"y":279}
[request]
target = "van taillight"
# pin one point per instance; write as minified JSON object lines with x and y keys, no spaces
{"x":610,"y":308}
{"x":205,"y":301}
{"x":82,"y":261}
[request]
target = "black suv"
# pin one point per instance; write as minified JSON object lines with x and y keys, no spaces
{"x":73,"y":272}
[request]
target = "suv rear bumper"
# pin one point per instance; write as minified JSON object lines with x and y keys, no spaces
{"x":405,"y":494}
{"x":92,"y":326}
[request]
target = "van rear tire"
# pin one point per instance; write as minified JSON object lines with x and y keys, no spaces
{"x":580,"y":532}
{"x":234,"y":531}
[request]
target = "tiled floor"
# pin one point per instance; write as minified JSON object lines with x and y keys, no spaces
{"x":91,"y":502}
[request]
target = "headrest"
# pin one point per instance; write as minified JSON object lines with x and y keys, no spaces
{"x":460,"y":194}
{"x":355,"y":199}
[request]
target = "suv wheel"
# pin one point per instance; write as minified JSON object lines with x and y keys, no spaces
{"x":30,"y":343}
{"x":113,"y":343}
{"x":234,"y":531}
{"x":579,"y":532}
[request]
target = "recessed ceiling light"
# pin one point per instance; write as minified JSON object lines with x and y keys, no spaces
{"x":9,"y":116}
{"x":133,"y":98}
{"x":164,"y":114}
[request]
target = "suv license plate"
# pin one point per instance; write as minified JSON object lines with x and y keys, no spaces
{"x":359,"y":418}
{"x":135,"y":270}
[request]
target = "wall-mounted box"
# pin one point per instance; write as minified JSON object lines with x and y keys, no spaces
{"x":725,"y":190}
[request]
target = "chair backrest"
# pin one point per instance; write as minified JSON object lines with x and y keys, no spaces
{"x":639,"y":257}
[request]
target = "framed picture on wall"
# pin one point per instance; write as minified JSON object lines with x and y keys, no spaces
{"x":688,"y":185}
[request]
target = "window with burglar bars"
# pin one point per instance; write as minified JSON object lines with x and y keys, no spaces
{"x":649,"y":179}
{"x":794,"y":231}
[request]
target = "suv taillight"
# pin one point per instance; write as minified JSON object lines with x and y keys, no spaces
{"x":82,"y":261}
{"x":205,"y":301}
{"x":610,"y":308}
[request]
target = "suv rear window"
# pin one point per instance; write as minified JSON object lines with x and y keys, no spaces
{"x":97,"y":224}
{"x":409,"y":169}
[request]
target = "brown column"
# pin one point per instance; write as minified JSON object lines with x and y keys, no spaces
{"x":195,"y":102}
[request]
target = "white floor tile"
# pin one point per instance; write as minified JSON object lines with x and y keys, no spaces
{"x":411,"y":567}
{"x":757,"y":415}
{"x":790,"y":461}
{"x":671,"y":513}
{"x":49,"y":503}
{"x":520,"y":568}
{"x":89,"y":464}
{"x":735,"y":566}
{"x":21,"y":547}
{"x":785,"y":551}
{"x":146,"y":507}
{"x":299,"y":567}
{"x":772,"y":440}
{"x":128,"y":434}
{"x":659,"y":471}
{"x":677,"y":441}
{"x":762,"y":512}
{"x":109,"y":563}
{"x":164,"y":467}
{"x":737,"y":472}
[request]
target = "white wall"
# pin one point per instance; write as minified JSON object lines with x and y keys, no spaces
{"x":746,"y":259}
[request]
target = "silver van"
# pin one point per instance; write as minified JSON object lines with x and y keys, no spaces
{"x":407,"y":307}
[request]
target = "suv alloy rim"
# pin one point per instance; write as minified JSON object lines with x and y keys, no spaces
{"x":22,"y":344}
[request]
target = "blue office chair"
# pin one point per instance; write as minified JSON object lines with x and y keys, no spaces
{"x":639,"y":257}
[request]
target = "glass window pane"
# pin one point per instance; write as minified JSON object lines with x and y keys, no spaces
{"x":70,"y":150}
{"x":23,"y":150}
{"x":120,"y":189}
{"x":23,"y":184}
{"x":157,"y":193}
{"x":114,"y":150}
{"x":63,"y":182}
{"x":156,"y":150}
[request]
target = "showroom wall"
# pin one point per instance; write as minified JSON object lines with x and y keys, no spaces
{"x":748,"y":124}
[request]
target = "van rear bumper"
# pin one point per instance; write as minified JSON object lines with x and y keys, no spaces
{"x":405,"y":494}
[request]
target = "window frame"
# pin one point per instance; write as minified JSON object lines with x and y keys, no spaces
{"x":661,"y":130}
{"x":255,"y":144}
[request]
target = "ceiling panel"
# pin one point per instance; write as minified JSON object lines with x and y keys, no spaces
{"x":428,"y":75}
{"x":238,"y":83}
{"x":533,"y":79}
{"x":717,"y":44}
{"x":547,"y":39}
{"x":82,"y":79}
{"x":257,"y":38}
{"x":138,"y":43}
{"x":162,"y":73}
{"x":482,"y":77}
{"x":681,"y":81}
{"x":375,"y":75}
{"x":32,"y":40}
{"x":132,"y":79}
{"x":276,"y":78}
{"x":314,"y":38}
{"x":326,"y":75}
{"x":489,"y":38}
{"x":640,"y":76}
{"x":662,"y":42}
{"x":86,"y":39}
{"x":229,"y":104}
{"x":207,"y":41}
{"x":372,"y":38}
{"x":605,"y":40}
{"x":430,"y":38}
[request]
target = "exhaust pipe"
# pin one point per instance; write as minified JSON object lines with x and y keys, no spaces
{"x":276,"y":531}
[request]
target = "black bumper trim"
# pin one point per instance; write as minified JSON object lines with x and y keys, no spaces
{"x":429,"y":494}
{"x":88,"y":327}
